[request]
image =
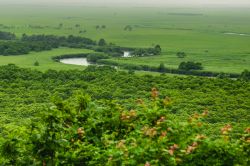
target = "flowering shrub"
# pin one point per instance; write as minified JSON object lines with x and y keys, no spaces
{"x":81,"y":133}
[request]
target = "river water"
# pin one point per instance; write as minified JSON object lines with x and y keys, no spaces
{"x":75,"y":61}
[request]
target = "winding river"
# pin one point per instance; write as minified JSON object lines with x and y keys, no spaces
{"x":75,"y":61}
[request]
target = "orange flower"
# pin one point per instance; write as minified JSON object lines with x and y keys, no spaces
{"x":140,"y":101}
{"x":169,"y":129}
{"x":147,"y":164}
{"x":151,"y":132}
{"x":123,"y":116}
{"x":80,"y":132}
{"x":154,"y":93}
{"x":199,"y":124}
{"x":196,"y":116}
{"x":171,"y":152}
{"x":226,"y":129}
{"x":132,"y":113}
{"x":172,"y":149}
{"x":191,"y":148}
{"x":121,"y":144}
{"x":195,"y":144}
{"x":247,"y":130}
{"x":166,"y":101}
{"x":162,"y":119}
{"x":205,"y":113}
{"x":128,"y":115}
{"x":200,"y":136}
{"x":164,"y":133}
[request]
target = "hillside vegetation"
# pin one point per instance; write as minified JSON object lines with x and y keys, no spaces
{"x":163,"y":86}
{"x":48,"y":119}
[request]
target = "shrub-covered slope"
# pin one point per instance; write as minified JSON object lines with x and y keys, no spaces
{"x":78,"y":132}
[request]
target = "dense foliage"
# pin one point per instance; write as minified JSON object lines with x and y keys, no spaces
{"x":49,"y":120}
{"x":146,"y":52}
{"x":13,"y":48}
{"x":245,"y":75}
{"x":48,"y":42}
{"x":41,"y":43}
{"x":57,"y":41}
{"x":33,"y":89}
{"x":163,"y":69}
{"x":190,"y":66}
{"x":7,"y":36}
{"x":77,"y":132}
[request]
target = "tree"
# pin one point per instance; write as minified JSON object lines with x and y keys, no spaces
{"x":161,"y":68}
{"x":128,"y":28}
{"x":36,"y":63}
{"x":157,"y":49}
{"x":102,"y":42}
{"x":94,"y":57}
{"x":223,"y":75}
{"x":245,"y":75}
{"x":190,"y":66}
{"x":7,"y":36}
{"x":139,"y":52}
{"x":77,"y":25}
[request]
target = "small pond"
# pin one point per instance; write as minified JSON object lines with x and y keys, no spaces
{"x":75,"y":61}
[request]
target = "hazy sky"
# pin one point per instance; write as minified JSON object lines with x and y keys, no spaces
{"x":135,"y":2}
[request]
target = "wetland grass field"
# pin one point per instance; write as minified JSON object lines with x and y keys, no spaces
{"x":205,"y":35}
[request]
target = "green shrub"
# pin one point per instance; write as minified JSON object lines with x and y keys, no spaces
{"x":78,"y":132}
{"x":190,"y":66}
{"x":36,"y":63}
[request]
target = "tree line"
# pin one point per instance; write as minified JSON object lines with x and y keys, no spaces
{"x":193,"y":69}
{"x":29,"y":43}
{"x":185,"y":68}
{"x":7,"y":36}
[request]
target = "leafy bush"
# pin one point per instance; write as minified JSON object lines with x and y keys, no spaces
{"x":78,"y":132}
{"x":102,"y":42}
{"x":48,"y":42}
{"x":190,"y":66}
{"x":36,"y":63}
{"x":32,"y":90}
{"x":13,"y":48}
{"x":245,"y":75}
